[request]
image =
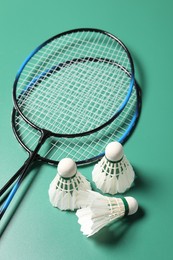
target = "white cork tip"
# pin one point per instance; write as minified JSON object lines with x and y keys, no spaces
{"x":133,"y":205}
{"x":114,"y":151}
{"x":67,"y":168}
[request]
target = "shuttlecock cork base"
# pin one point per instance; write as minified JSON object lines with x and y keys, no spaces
{"x":113,"y":173}
{"x":64,"y":188}
{"x":103,"y":210}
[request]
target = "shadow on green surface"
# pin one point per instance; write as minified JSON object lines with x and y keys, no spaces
{"x":112,"y":234}
{"x":144,"y":182}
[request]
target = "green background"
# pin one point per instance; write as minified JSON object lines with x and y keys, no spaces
{"x":37,"y":231}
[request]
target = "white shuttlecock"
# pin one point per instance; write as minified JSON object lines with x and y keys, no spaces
{"x":113,"y":173}
{"x":64,"y":188}
{"x":102,"y":211}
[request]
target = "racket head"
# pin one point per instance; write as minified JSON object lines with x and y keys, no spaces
{"x":85,"y":70}
{"x":84,"y":149}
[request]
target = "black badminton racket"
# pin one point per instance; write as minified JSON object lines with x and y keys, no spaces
{"x":71,"y":86}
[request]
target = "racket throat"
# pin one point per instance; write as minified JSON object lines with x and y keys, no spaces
{"x":34,"y":154}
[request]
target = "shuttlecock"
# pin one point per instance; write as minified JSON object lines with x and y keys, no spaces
{"x":64,"y":188}
{"x":113,"y":173}
{"x":103,"y":210}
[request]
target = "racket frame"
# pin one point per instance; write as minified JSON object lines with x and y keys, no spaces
{"x":15,"y":99}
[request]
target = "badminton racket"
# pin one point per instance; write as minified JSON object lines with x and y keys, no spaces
{"x":71,"y":86}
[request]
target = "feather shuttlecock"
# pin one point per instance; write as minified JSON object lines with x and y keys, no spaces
{"x":113,"y":173}
{"x":65,"y":186}
{"x":103,"y":210}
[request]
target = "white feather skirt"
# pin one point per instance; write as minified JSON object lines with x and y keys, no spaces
{"x":63,"y":193}
{"x":112,"y":177}
{"x":99,"y":212}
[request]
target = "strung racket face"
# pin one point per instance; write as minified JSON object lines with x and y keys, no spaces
{"x":83,"y":149}
{"x":74,"y":83}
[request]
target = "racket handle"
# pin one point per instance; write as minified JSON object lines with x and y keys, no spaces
{"x":8,"y":200}
{"x":21,"y":173}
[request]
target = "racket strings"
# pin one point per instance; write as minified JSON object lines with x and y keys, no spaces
{"x":57,"y":52}
{"x":76,"y":46}
{"x":60,"y":54}
{"x":106,"y":73}
{"x":103,"y":73}
{"x":82,"y":147}
{"x":85,"y":96}
{"x":96,"y":70}
{"x":103,"y":44}
{"x":72,"y":54}
{"x":94,"y":144}
{"x":119,"y":117}
{"x":85,"y":80}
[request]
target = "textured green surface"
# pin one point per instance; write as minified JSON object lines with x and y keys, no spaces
{"x":38,"y":231}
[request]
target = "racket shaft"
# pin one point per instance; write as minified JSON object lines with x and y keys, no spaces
{"x":12,"y":180}
{"x":25,"y":169}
